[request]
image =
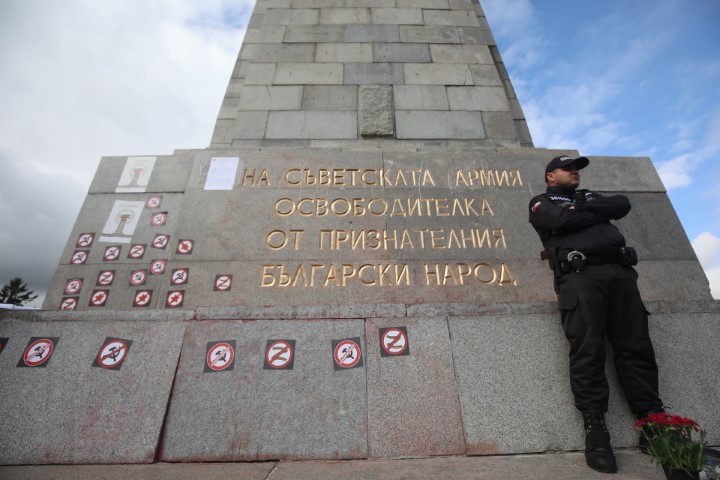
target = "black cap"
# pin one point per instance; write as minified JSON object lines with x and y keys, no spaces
{"x":564,"y":161}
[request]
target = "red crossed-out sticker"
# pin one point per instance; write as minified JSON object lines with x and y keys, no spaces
{"x":79,"y":257}
{"x":73,"y":286}
{"x":68,"y":303}
{"x":137,"y":251}
{"x":142,"y":298}
{"x":220,"y":356}
{"x":85,"y":240}
{"x":38,"y":352}
{"x":138,"y":277}
{"x":112,"y":353}
{"x":223,"y":283}
{"x":180,"y":276}
{"x":175,"y":298}
{"x":99,"y":298}
{"x":185,"y":247}
{"x":153,"y":201}
{"x":347,"y":353}
{"x":394,"y":341}
{"x":105,"y":278}
{"x":112,"y":253}
{"x":158,"y":267}
{"x":158,"y":219}
{"x":161,"y":241}
{"x":279,"y":355}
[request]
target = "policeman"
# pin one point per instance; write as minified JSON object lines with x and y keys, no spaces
{"x":598,"y":298}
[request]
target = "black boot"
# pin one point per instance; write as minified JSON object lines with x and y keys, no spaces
{"x":598,"y":452}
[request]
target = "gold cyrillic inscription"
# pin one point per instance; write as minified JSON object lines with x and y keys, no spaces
{"x":379,"y":207}
{"x":488,"y":178}
{"x":408,"y":239}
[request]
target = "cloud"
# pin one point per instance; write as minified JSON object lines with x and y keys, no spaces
{"x":675,"y":173}
{"x":707,"y":248}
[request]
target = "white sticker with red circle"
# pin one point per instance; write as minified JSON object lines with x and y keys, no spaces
{"x":106,"y":278}
{"x":137,"y":251}
{"x":161,"y":241}
{"x":112,"y":253}
{"x":73,"y":286}
{"x":38,"y":352}
{"x":279,"y":355}
{"x":142,"y":298}
{"x":180,"y":276}
{"x":85,"y":240}
{"x":223,"y":283}
{"x":347,"y":353}
{"x":158,"y":267}
{"x":99,"y":298}
{"x":158,"y":219}
{"x":79,"y":257}
{"x":175,"y":298}
{"x":394,"y":341}
{"x":185,"y":247}
{"x":112,"y":353}
{"x":153,"y":201}
{"x":220,"y":356}
{"x":68,"y":303}
{"x":138,"y":277}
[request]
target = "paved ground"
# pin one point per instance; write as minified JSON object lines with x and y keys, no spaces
{"x":560,"y":466}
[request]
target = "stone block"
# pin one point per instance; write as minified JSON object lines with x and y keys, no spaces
{"x":499,"y":125}
{"x":437,"y":74}
{"x":273,"y":3}
{"x":256,"y":20}
{"x":291,"y":16}
{"x":312,"y":124}
{"x":486,"y":99}
{"x":167,"y":175}
{"x":463,"y":5}
{"x":428,"y":34}
{"x":470,"y":54}
{"x":260,"y":74}
{"x":344,"y":52}
{"x":420,"y":97}
{"x":314,"y":33}
{"x":373,"y":73}
{"x":429,"y":4}
{"x":436,"y":125}
{"x":460,"y":18}
{"x":309,"y":411}
{"x":371,"y":3}
{"x":397,"y":16}
{"x":375,"y":110}
{"x":267,"y":34}
{"x":476,"y":35}
{"x":412,"y":393}
{"x":330,"y":97}
{"x":273,"y":53}
{"x":401,"y":52}
{"x":344,"y":16}
{"x":372,"y":33}
{"x":270,"y":98}
{"x":308,"y":74}
{"x":69,"y":412}
{"x":485,"y":75}
{"x":247,"y":125}
{"x":318,"y":3}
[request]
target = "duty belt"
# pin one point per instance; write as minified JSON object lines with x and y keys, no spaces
{"x":564,"y":260}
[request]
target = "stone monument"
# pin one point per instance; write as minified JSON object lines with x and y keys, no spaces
{"x":347,"y":271}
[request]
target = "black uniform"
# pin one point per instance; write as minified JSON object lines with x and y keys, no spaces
{"x":597,"y":297}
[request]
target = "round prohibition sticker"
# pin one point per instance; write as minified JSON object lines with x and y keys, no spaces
{"x":112,"y":354}
{"x":38,"y":352}
{"x":347,"y":353}
{"x":220,"y":356}
{"x":280,"y":354}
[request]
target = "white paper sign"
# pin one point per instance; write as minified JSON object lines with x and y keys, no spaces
{"x":221,"y":175}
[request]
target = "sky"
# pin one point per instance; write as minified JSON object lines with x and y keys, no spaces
{"x":82,"y":79}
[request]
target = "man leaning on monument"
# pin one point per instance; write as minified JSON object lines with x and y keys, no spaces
{"x":598,"y":298}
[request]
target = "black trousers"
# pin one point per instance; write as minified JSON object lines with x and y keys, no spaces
{"x":602,"y":302}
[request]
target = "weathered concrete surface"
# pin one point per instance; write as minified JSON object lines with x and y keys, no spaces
{"x":251,"y":413}
{"x":72,"y":412}
{"x":552,"y":466}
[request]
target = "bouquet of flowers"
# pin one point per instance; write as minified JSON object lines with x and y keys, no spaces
{"x":675,"y":443}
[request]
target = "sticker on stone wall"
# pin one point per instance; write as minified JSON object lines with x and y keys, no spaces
{"x":112,"y":253}
{"x":122,"y":221}
{"x":153,"y":201}
{"x":85,"y":240}
{"x":138,"y":277}
{"x":223,"y":283}
{"x":3,"y":342}
{"x":73,"y":286}
{"x":79,"y":257}
{"x":279,"y":355}
{"x":136,"y":174}
{"x":394,"y":341}
{"x":220,"y":356}
{"x":347,"y":353}
{"x":221,"y":173}
{"x":185,"y":247}
{"x":142,"y":298}
{"x":180,"y":276}
{"x":137,"y":251}
{"x":38,"y":352}
{"x":105,"y":278}
{"x":159,"y":219}
{"x":158,"y":267}
{"x":68,"y":303}
{"x":175,"y":298}
{"x":161,"y":241}
{"x":99,"y":298}
{"x":112,"y":354}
